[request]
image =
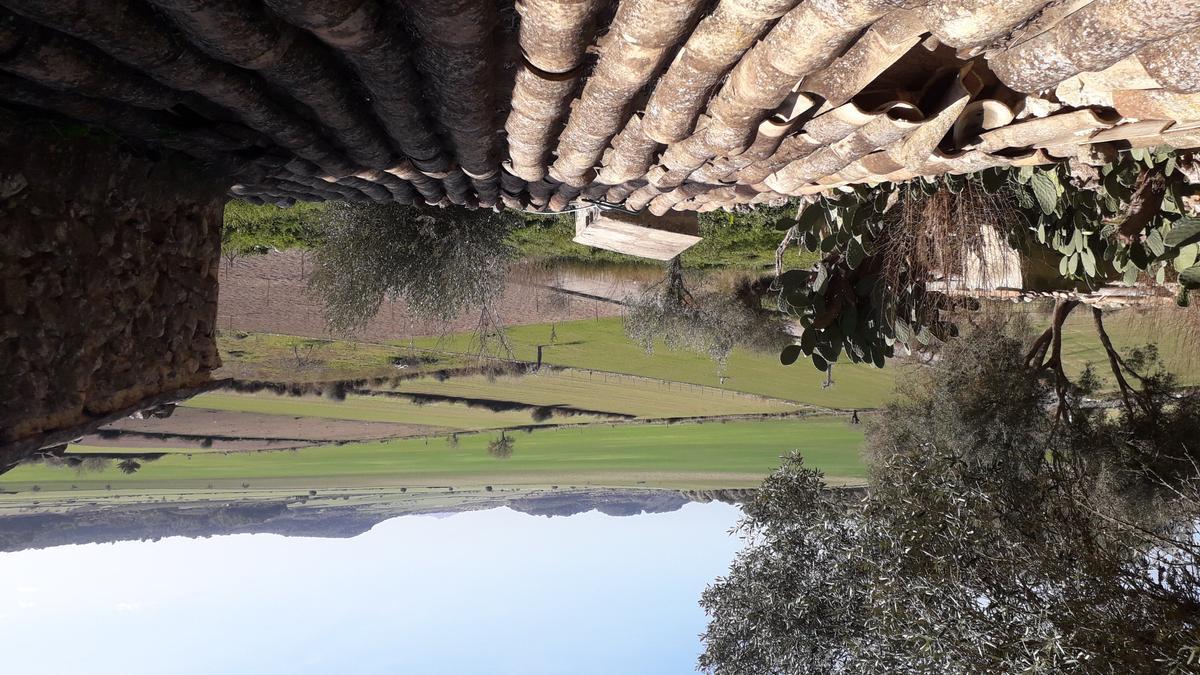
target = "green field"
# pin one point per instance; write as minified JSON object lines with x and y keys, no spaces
{"x":708,"y":455}
{"x":450,"y":416}
{"x":713,"y":454}
{"x":601,"y":344}
{"x":592,"y":390}
{"x":742,"y":241}
{"x":285,"y":358}
{"x":1177,"y":346}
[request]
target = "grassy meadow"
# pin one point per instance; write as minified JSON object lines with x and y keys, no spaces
{"x":286,"y":358}
{"x":601,"y":344}
{"x":449,"y":416}
{"x":686,"y":455}
{"x":610,"y":392}
{"x":1176,"y":340}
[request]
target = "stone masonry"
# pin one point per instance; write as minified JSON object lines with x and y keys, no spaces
{"x":108,"y":279}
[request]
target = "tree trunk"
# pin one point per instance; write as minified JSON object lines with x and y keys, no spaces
{"x":1143,"y":205}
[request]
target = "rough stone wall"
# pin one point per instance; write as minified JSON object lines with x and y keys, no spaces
{"x":108,"y":279}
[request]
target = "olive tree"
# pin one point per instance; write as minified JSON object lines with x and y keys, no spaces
{"x":712,"y":322}
{"x":439,"y":262}
{"x":994,"y":536}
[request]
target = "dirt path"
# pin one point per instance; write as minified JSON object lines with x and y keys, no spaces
{"x":267,"y":293}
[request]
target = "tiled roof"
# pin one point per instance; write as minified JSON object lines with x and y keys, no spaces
{"x":658,"y":104}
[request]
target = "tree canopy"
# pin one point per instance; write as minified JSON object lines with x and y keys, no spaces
{"x":710,"y":322}
{"x":994,"y":535}
{"x":440,"y":262}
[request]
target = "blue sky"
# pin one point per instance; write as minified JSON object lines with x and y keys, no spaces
{"x":482,"y":592}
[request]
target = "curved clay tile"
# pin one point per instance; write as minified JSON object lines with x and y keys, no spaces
{"x":880,"y":47}
{"x":974,"y":23}
{"x":1174,"y":63}
{"x":153,"y":127}
{"x":959,"y":163}
{"x":399,"y":189}
{"x":717,"y":43}
{"x":60,"y":62}
{"x":1130,"y":131}
{"x":161,"y":54}
{"x":555,"y":33}
{"x":639,"y":198}
{"x":1095,"y":89}
{"x":805,"y":40}
{"x":1032,"y":157}
{"x":367,"y":35}
{"x":687,"y":155}
{"x":980,"y":116}
{"x":922,"y":142}
{"x":310,"y":182}
{"x":431,"y":189}
{"x":1050,"y":130}
{"x":487,"y":188}
{"x":771,"y":133}
{"x":1092,"y":39}
{"x":402,"y":102}
{"x":246,"y":36}
{"x":836,"y":124}
{"x":885,"y":129}
{"x":1184,"y":138}
{"x":617,"y":193}
{"x":641,"y":36}
{"x":791,"y":149}
{"x":540,"y":100}
{"x":540,"y":193}
{"x":455,"y":55}
{"x":631,"y":156}
{"x":510,"y":184}
{"x":666,"y":201}
{"x":1157,"y":104}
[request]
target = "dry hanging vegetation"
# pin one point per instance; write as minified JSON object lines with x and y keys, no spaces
{"x":883,"y":249}
{"x":940,"y":235}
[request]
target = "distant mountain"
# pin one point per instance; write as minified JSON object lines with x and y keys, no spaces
{"x":311,"y":518}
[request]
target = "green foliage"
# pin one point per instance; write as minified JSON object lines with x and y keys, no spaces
{"x":990,"y":539}
{"x":128,"y":466}
{"x":603,"y":345}
{"x":744,"y":239}
{"x":550,"y":238}
{"x":789,"y":603}
{"x":679,"y":455}
{"x":739,"y":240}
{"x":440,"y":262}
{"x":857,"y":300}
{"x":502,"y":447}
{"x":1081,"y":216}
{"x":254,"y":229}
{"x":710,"y":323}
{"x":868,"y":292}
